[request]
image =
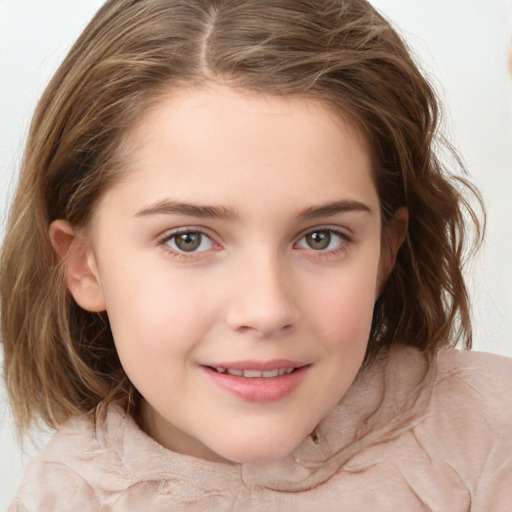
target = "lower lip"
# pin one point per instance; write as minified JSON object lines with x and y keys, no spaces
{"x":258,"y":389}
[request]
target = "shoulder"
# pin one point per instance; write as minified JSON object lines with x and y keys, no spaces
{"x":447,"y":427}
{"x":466,"y":379}
{"x":476,"y":363}
{"x":52,"y":480}
{"x":81,"y":465}
{"x":472,"y":398}
{"x":456,"y":379}
{"x":468,"y":425}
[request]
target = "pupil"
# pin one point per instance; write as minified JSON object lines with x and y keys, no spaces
{"x":188,"y":242}
{"x":319,"y":240}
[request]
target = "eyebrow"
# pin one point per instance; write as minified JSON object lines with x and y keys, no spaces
{"x":168,"y":207}
{"x":329,"y":209}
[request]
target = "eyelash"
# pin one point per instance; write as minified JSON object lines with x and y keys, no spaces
{"x":184,"y":255}
{"x":345,"y":240}
{"x":176,"y":253}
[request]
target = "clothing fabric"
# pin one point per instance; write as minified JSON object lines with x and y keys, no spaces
{"x":403,"y":439}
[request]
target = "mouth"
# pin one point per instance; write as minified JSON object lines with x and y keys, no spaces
{"x":255,"y":374}
{"x":258,"y":382}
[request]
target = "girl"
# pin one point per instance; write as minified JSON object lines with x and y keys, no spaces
{"x":232,"y":273}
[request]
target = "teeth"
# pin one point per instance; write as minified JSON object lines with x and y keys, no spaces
{"x":252,"y":374}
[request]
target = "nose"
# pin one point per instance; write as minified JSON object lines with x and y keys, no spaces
{"x":264,"y":299}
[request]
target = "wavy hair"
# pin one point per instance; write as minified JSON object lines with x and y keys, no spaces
{"x":59,"y":359}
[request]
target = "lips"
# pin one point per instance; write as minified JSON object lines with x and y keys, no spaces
{"x":254,"y":374}
{"x":256,"y":381}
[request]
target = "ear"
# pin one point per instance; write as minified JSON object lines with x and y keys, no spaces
{"x":394,"y":236}
{"x":79,"y":263}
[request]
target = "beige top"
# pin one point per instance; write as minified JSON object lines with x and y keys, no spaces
{"x":397,"y":442}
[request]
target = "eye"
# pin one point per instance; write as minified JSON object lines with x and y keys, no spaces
{"x":322,"y":240}
{"x":189,"y":241}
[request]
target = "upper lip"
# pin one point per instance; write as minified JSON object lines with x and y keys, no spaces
{"x":275,"y":364}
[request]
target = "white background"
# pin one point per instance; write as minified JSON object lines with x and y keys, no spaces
{"x":462,"y":46}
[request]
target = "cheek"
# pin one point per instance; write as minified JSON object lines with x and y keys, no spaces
{"x":344,"y":312}
{"x":157,"y":314}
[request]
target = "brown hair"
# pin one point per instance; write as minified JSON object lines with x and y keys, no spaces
{"x":59,"y":359}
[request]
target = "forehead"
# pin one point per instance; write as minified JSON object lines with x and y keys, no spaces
{"x":207,"y":144}
{"x":201,"y":111}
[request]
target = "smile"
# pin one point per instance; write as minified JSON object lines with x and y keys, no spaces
{"x":258,"y":381}
{"x":254,"y":374}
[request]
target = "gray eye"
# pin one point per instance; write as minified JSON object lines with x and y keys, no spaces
{"x":318,"y":240}
{"x":190,"y":241}
{"x":321,"y":240}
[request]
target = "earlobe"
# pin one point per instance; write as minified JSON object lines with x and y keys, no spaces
{"x":79,"y":264}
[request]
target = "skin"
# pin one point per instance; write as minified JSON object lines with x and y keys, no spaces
{"x":261,"y":285}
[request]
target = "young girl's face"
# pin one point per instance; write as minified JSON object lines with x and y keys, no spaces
{"x":238,"y":261}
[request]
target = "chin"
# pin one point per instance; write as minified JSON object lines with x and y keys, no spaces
{"x":260,"y":450}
